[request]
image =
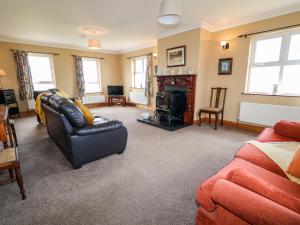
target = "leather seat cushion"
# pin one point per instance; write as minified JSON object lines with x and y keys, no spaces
{"x":98,"y":128}
{"x":72,"y":112}
{"x":45,"y":97}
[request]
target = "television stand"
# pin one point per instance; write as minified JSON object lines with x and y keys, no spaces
{"x":117,"y":100}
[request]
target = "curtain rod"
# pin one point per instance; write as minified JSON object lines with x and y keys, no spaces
{"x":140,"y":55}
{"x":266,"y":31}
{"x":91,"y":57}
{"x":47,"y":53}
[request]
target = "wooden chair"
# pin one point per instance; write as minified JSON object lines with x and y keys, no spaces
{"x":9,"y":161}
{"x":216,"y":105}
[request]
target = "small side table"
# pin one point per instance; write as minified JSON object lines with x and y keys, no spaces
{"x":117,"y":99}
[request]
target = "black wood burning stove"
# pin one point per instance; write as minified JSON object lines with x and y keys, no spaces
{"x":170,"y":106}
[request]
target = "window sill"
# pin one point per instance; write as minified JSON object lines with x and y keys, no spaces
{"x":94,"y":93}
{"x":137,"y":89}
{"x":274,"y":95}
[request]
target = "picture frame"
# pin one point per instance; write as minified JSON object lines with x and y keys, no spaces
{"x":225,"y":66}
{"x":176,"y":56}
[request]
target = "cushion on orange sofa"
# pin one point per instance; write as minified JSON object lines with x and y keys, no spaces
{"x":288,"y":129}
{"x":251,"y":207}
{"x":294,"y":167}
{"x":254,"y":183}
{"x":254,"y":155}
{"x":269,"y":135}
{"x":204,"y":191}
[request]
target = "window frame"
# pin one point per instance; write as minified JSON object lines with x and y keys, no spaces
{"x":133,"y":70}
{"x":282,"y":61}
{"x":99,"y":81}
{"x":53,"y":80}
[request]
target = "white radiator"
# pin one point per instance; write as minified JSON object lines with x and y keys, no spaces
{"x":138,"y":97}
{"x":266,"y":114}
{"x":93,"y":99}
{"x":31,"y":104}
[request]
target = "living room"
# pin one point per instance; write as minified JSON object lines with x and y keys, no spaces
{"x":109,"y":112}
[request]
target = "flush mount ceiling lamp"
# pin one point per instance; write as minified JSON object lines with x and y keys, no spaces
{"x":169,"y":13}
{"x":92,"y":30}
{"x":94,"y":44}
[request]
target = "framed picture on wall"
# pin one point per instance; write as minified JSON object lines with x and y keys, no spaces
{"x":176,"y":56}
{"x":225,"y":66}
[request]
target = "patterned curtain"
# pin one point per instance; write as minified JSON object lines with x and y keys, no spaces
{"x":148,"y":86}
{"x":24,"y":75}
{"x":80,"y":77}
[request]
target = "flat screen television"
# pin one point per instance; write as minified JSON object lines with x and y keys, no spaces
{"x":115,"y":90}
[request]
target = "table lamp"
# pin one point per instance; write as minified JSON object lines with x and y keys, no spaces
{"x":2,"y":74}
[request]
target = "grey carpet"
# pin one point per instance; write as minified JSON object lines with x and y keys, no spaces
{"x":152,"y":183}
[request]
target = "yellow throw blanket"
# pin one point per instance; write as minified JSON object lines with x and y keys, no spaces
{"x":38,"y":105}
{"x":280,"y":152}
{"x":39,"y":109}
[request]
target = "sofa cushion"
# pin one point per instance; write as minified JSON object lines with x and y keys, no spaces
{"x":294,"y":167}
{"x":89,"y":117}
{"x":257,"y":185}
{"x":254,"y":155}
{"x":269,"y":135}
{"x":53,"y":102}
{"x":98,"y":128}
{"x":288,"y":129}
{"x":45,"y":97}
{"x":204,"y":191}
{"x":73,"y":114}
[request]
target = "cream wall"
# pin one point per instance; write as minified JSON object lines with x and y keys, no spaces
{"x":239,"y":51}
{"x":127,"y":73}
{"x":189,"y":38}
{"x":64,"y":67}
{"x":202,"y":53}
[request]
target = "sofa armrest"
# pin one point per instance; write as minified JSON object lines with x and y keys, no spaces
{"x":288,"y":129}
{"x":98,"y":128}
{"x":267,"y":190}
{"x":251,"y":207}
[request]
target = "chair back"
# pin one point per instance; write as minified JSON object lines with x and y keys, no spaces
{"x":218,"y":97}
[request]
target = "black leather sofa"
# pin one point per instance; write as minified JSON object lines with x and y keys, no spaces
{"x":81,"y":143}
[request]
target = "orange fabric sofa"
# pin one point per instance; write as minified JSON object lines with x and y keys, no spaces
{"x":251,"y":189}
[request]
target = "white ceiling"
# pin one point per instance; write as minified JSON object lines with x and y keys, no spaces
{"x":129,"y":24}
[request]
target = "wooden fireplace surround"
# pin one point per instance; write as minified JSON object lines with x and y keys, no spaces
{"x":181,"y":81}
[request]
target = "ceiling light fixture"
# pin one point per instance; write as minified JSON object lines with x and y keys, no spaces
{"x":169,"y":13}
{"x":224,"y":44}
{"x":94,"y":44}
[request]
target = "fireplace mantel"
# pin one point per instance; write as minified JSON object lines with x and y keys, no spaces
{"x":187,"y":81}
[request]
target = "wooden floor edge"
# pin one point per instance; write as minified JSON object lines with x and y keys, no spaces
{"x":242,"y":126}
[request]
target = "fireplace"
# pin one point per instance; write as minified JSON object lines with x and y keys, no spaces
{"x":185,"y":83}
{"x":170,"y":106}
{"x":174,"y":102}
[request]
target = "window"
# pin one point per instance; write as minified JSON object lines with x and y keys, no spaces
{"x":139,"y":68}
{"x":91,"y":73}
{"x":274,"y":66}
{"x":42,"y":71}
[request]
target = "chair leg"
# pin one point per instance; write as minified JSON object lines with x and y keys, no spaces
{"x":216,"y":121}
{"x":12,"y":126}
{"x":222,"y":119}
{"x":209,"y":118}
{"x":200,"y":119}
{"x":11,"y":174}
{"x":19,"y":179}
